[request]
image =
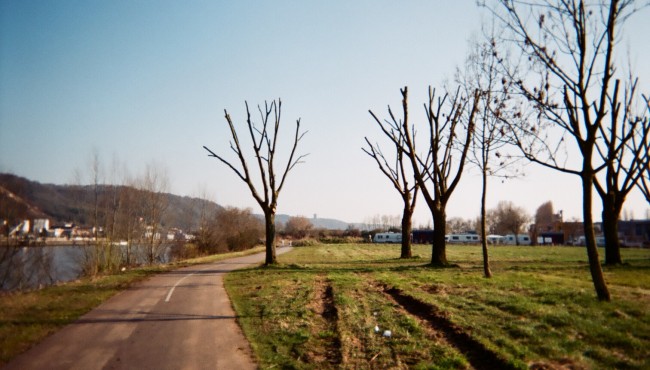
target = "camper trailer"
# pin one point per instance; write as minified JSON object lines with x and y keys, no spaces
{"x":462,"y":239}
{"x":495,"y":239}
{"x":387,"y":238}
{"x":522,"y":238}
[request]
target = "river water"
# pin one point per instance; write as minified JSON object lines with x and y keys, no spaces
{"x":38,"y":266}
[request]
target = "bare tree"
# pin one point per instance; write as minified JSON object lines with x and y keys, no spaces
{"x":625,"y":163}
{"x":562,"y":68}
{"x":544,"y":219}
{"x":545,"y":214}
{"x":438,"y":167}
{"x":206,"y":233}
{"x":264,"y":141}
{"x":644,"y":182}
{"x":100,"y":253}
{"x":130,"y":227}
{"x":489,"y":141}
{"x":509,"y":219}
{"x":154,"y":186}
{"x":298,"y":227}
{"x":458,"y":225}
{"x":236,"y":229}
{"x":397,"y":174}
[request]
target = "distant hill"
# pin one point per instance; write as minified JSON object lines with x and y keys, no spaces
{"x":22,"y":199}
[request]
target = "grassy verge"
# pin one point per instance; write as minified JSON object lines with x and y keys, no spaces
{"x":321,"y":306}
{"x":28,"y":317}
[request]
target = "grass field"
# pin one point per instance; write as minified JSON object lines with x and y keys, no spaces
{"x":328,"y":306}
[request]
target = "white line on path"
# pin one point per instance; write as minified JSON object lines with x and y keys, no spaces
{"x":171,"y":291}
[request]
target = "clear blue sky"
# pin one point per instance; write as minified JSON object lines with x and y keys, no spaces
{"x":145,"y":81}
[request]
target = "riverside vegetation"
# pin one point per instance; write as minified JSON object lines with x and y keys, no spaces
{"x":330,"y":305}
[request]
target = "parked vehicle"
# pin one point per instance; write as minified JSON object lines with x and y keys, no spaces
{"x":522,"y":238}
{"x":495,"y":239}
{"x":462,"y":239}
{"x":600,"y":241}
{"x":389,"y":237}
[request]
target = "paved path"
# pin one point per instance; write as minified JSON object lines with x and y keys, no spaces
{"x":182,"y":319}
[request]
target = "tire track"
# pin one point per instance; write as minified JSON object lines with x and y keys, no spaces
{"x":325,"y":307}
{"x":479,"y":356}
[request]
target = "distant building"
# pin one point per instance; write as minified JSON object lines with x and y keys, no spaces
{"x":63,"y":231}
{"x":634,"y":233}
{"x":551,"y":238}
{"x":422,"y":236}
{"x":41,"y":225}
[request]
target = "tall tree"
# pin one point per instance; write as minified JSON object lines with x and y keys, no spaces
{"x":644,"y":146}
{"x":544,"y":218}
{"x":154,"y":186}
{"x":624,"y":162}
{"x":398,"y":174}
{"x":544,"y":214}
{"x":489,"y":141}
{"x":562,"y":66}
{"x":264,"y":142}
{"x":437,"y":170}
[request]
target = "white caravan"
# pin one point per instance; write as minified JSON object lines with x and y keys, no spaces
{"x":463,"y":238}
{"x":388,"y":238}
{"x":495,"y":239}
{"x":522,"y":238}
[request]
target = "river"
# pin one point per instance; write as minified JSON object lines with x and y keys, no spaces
{"x":37,"y":266}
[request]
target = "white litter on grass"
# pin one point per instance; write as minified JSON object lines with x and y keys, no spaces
{"x":376,"y":329}
{"x":387,"y":333}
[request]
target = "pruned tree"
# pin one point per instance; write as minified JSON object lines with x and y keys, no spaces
{"x":561,"y":67}
{"x":437,"y":170}
{"x":397,"y":171}
{"x":264,"y":141}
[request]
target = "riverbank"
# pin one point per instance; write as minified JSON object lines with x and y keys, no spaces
{"x":47,"y":242}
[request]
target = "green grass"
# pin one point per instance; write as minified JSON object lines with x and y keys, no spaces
{"x":28,"y":317}
{"x":539,"y":308}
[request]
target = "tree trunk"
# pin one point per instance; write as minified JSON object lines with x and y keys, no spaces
{"x":516,"y":237}
{"x":611,"y":214}
{"x":438,"y":249}
{"x":406,"y":233}
{"x":269,"y":218}
{"x":590,"y":237}
{"x":486,"y":261}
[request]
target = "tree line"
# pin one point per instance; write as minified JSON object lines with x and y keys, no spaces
{"x":543,"y":84}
